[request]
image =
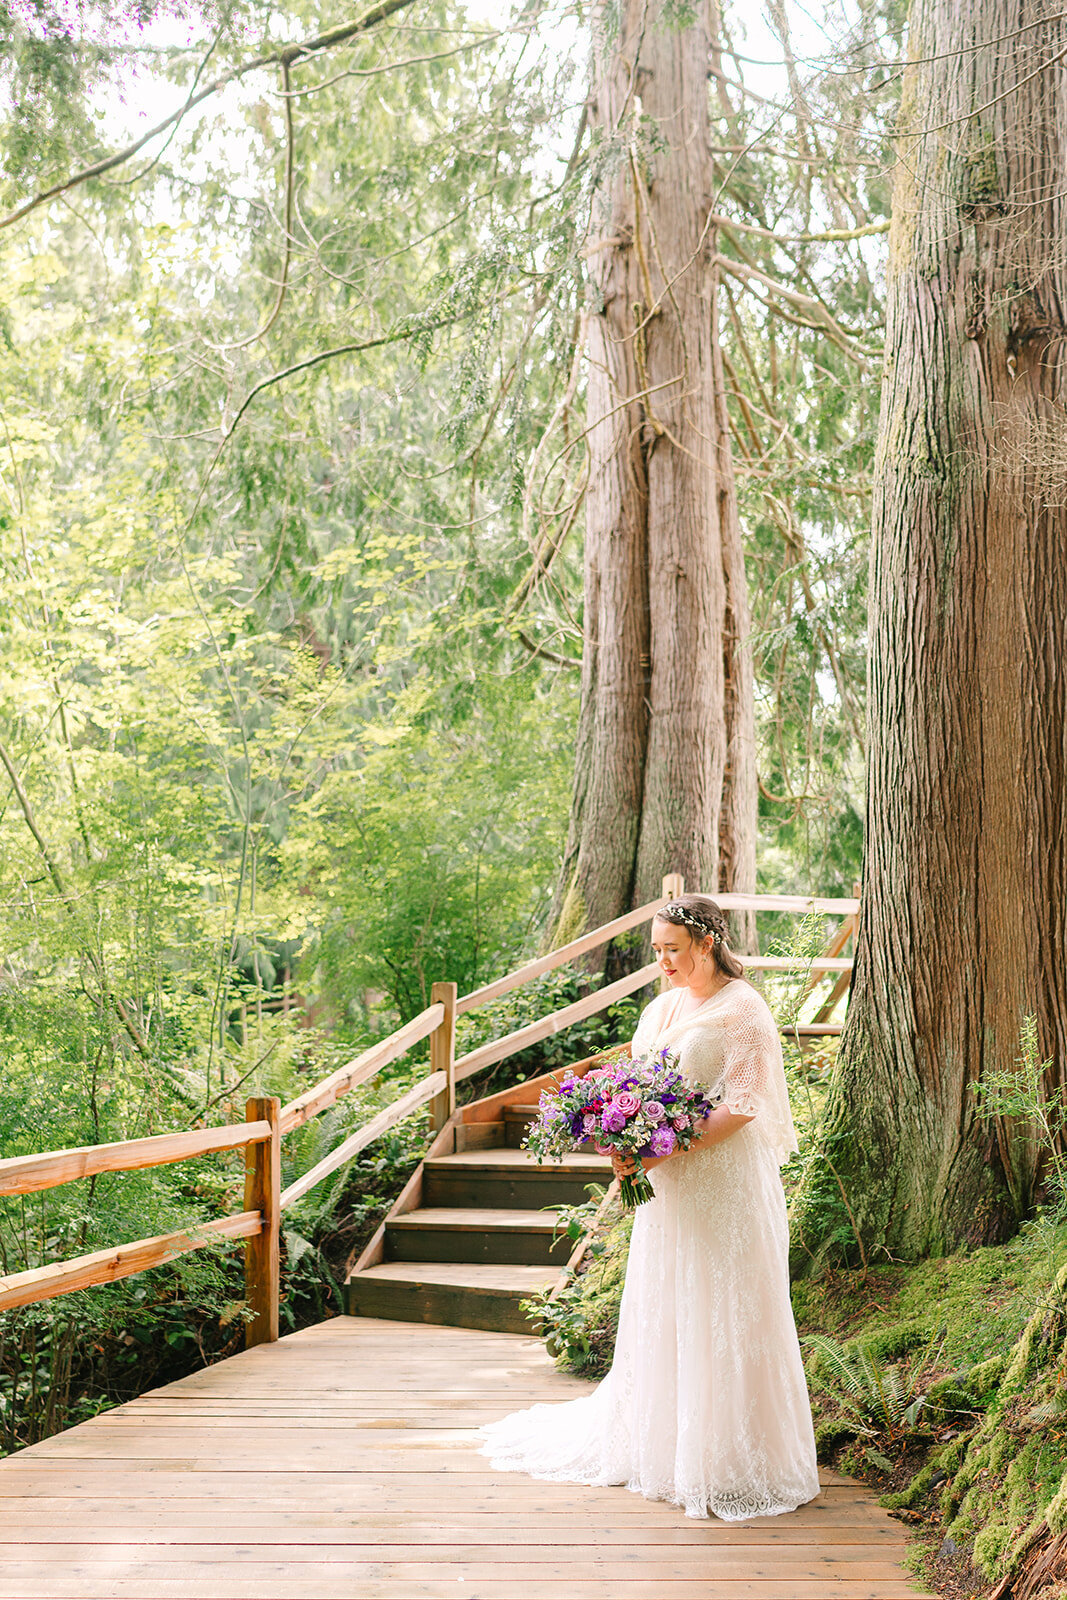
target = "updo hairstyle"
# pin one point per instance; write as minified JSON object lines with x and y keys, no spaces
{"x":701,"y":917}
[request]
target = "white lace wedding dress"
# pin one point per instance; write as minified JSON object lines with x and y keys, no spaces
{"x":706,"y":1404}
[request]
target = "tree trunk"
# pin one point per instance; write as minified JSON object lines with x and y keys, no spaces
{"x":665,"y":773}
{"x":965,"y":877}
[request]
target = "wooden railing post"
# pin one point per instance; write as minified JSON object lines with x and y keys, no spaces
{"x":263,"y":1187}
{"x":443,"y":1053}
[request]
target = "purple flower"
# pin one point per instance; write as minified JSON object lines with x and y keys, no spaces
{"x":627,"y":1103}
{"x":680,"y":1124}
{"x":613,"y":1117}
{"x":662,"y":1142}
{"x":589,"y":1122}
{"x":654,"y":1111}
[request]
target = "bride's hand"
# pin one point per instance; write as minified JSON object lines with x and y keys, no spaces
{"x":624,"y":1166}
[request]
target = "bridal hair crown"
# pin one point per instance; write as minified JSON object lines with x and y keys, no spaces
{"x":673,"y":912}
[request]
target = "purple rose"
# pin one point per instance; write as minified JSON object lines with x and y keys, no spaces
{"x":654,"y":1111}
{"x":627,"y":1103}
{"x":613,"y":1117}
{"x":589,"y":1122}
{"x":680,"y":1124}
{"x":663,"y":1142}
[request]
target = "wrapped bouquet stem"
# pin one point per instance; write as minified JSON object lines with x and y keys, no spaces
{"x":634,"y":1108}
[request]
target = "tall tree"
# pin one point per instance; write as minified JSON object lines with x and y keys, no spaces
{"x":665,"y":767}
{"x":965,"y":873}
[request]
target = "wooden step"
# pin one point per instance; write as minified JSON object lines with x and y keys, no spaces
{"x":458,"y":1294}
{"x":510,"y":1178}
{"x":443,"y":1233}
{"x":517,"y":1119}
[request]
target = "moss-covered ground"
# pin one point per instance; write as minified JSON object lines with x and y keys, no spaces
{"x":941,"y":1383}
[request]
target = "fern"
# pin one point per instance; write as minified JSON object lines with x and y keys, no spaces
{"x":882,"y":1398}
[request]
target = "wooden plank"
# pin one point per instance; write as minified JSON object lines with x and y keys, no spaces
{"x":841,"y":964}
{"x":284,"y":1529}
{"x":479,"y":1564}
{"x":387,"y":1118}
{"x":419,"y":1469}
{"x":400,"y":1549}
{"x":470,"y":1219}
{"x":560,"y":956}
{"x":122,"y":1261}
{"x":27,"y":1174}
{"x":491,"y":1108}
{"x":345,"y":1514}
{"x":247,"y":1581}
{"x":488,"y":1054}
{"x":443,"y":1053}
{"x":787,"y":902}
{"x":359,"y":1070}
{"x":440,"y":1529}
{"x":263,"y":1179}
{"x":506,"y":1156}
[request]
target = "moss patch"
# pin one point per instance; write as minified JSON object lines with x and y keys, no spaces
{"x":988,"y":1484}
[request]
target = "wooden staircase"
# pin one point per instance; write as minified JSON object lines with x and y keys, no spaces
{"x":471,"y":1236}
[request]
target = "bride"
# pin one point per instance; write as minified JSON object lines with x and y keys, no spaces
{"x":705,"y":1405}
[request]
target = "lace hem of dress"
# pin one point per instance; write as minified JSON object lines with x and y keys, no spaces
{"x":729,"y":1505}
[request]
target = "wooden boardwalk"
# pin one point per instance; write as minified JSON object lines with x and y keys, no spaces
{"x":340,"y":1464}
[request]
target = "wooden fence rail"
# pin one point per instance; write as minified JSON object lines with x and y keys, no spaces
{"x":121,"y":1261}
{"x":488,"y":1055}
{"x":26,"y":1174}
{"x":267,"y":1122}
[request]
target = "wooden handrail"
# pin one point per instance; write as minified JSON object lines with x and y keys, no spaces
{"x":488,"y":1054}
{"x":27,"y":1174}
{"x":122,"y":1261}
{"x":792,"y":963}
{"x":633,"y":919}
{"x":330,"y":1090}
{"x":558,"y":958}
{"x":387,"y":1118}
{"x":265,"y":1123}
{"x":785,"y":902}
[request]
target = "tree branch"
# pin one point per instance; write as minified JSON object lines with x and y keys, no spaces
{"x":540,"y":651}
{"x":328,"y":355}
{"x":831,"y":236}
{"x":824,"y":318}
{"x":289,"y":55}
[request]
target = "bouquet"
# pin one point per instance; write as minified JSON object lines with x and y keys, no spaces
{"x":635,"y":1108}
